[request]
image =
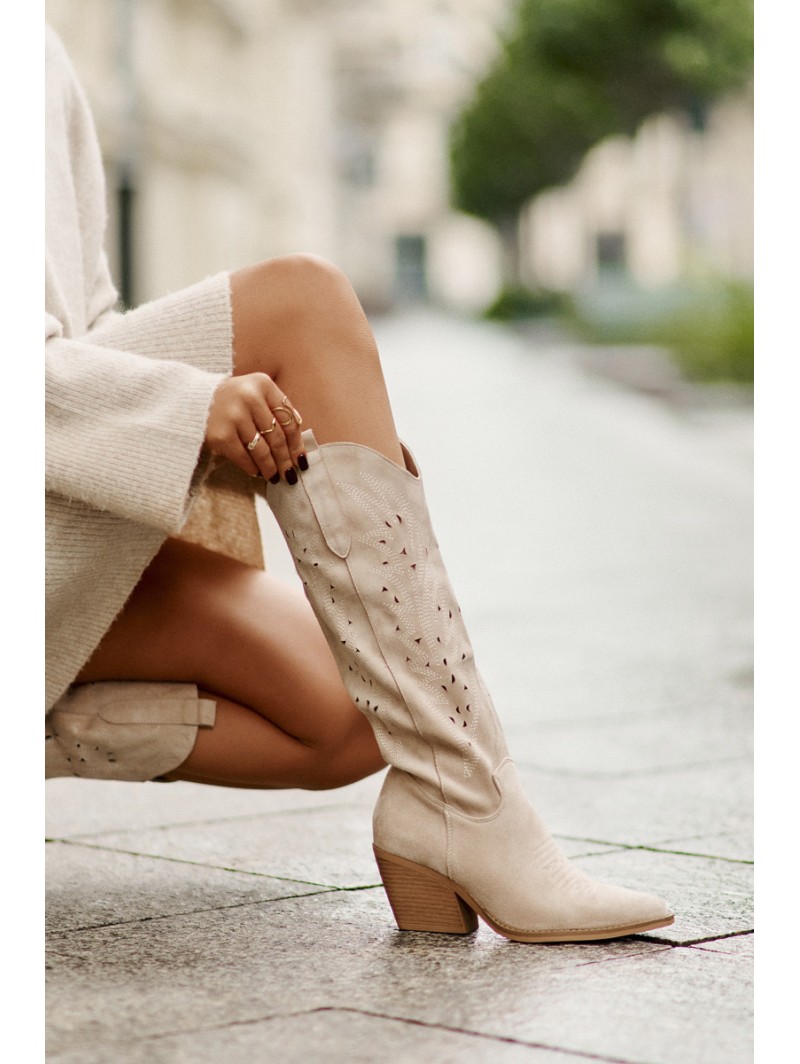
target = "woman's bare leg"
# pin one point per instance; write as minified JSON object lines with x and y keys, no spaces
{"x":284,"y":718}
{"x":298,"y":320}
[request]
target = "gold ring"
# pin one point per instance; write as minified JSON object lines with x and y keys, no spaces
{"x":254,"y":441}
{"x":266,"y":432}
{"x":286,"y":410}
{"x":290,"y":408}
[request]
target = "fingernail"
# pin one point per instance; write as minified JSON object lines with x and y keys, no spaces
{"x":302,"y":461}
{"x":275,"y":479}
{"x":291,"y":476}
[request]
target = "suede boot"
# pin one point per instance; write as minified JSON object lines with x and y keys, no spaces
{"x":123,"y":730}
{"x":454,"y":833}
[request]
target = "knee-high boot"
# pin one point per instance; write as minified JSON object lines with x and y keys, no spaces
{"x":454,"y":833}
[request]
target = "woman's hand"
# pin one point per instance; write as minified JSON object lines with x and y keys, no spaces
{"x":255,"y":426}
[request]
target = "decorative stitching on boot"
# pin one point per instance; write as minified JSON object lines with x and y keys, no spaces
{"x":427,"y":623}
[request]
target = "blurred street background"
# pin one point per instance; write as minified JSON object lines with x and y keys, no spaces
{"x":588,"y":160}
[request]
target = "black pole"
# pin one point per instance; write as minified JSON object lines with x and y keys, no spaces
{"x":128,"y":151}
{"x":126,"y":195}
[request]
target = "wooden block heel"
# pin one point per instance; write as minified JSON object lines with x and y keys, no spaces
{"x":421,"y":899}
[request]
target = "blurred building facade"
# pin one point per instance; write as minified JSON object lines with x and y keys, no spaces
{"x":674,"y":203}
{"x":237,"y":130}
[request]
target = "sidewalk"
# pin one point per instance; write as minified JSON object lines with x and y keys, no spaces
{"x":599,"y":543}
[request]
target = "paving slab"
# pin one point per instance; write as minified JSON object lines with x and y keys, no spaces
{"x":710,"y":898}
{"x":330,"y":950}
{"x":674,"y":1007}
{"x":629,"y":1000}
{"x":646,"y":810}
{"x":83,"y":807}
{"x":327,"y":847}
{"x":548,"y":681}
{"x":736,"y":946}
{"x":90,"y":887}
{"x":330,"y":847}
{"x":330,"y":1036}
{"x":728,"y":845}
{"x":180,"y":870}
{"x":625,"y":744}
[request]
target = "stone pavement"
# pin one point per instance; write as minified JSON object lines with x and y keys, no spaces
{"x":600,"y":543}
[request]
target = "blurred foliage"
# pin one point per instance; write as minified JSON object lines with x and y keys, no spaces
{"x":515,"y":303}
{"x":709,"y":329}
{"x":571,"y":72}
{"x":714,"y":339}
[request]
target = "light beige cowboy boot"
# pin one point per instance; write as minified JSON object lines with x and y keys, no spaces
{"x":454,"y":833}
{"x":123,"y":730}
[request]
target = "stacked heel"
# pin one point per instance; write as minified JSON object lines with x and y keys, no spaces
{"x":421,"y":899}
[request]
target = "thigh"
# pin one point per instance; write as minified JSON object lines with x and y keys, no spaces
{"x":200,"y":617}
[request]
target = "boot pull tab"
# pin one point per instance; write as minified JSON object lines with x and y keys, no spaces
{"x":322,"y":495}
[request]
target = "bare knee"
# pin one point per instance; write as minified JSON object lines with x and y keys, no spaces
{"x":308,"y":276}
{"x":295,"y":307}
{"x":291,"y":291}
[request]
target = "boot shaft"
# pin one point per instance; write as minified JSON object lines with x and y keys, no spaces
{"x":361,"y":538}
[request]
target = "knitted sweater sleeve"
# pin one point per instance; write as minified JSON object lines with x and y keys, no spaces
{"x":123,"y":430}
{"x":127,"y":395}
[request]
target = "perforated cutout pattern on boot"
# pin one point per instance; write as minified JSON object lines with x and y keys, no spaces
{"x":81,"y":748}
{"x":422,"y":617}
{"x":83,"y":759}
{"x":330,"y":590}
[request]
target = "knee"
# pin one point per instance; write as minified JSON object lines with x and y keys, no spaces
{"x":298,"y":307}
{"x":311,"y":273}
{"x":295,"y":288}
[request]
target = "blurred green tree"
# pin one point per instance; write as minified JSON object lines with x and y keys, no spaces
{"x":571,"y":72}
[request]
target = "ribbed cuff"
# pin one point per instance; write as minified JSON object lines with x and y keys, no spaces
{"x":193,"y":325}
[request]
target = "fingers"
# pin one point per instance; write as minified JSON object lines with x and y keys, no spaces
{"x":279,"y":428}
{"x":287,"y":422}
{"x":262,"y":458}
{"x":253,"y":424}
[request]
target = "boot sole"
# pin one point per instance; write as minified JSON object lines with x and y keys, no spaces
{"x":424,"y":900}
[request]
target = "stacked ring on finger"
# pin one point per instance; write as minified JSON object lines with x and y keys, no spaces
{"x":266,"y":432}
{"x":254,"y":441}
{"x":293,"y":413}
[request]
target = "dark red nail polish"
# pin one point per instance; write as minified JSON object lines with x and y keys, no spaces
{"x":302,"y":461}
{"x":291,"y":476}
{"x":275,"y":479}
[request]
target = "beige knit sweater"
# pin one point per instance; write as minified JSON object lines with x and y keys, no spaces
{"x":127,"y":397}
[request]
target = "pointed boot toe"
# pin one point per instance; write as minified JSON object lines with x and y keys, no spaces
{"x":506,"y":868}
